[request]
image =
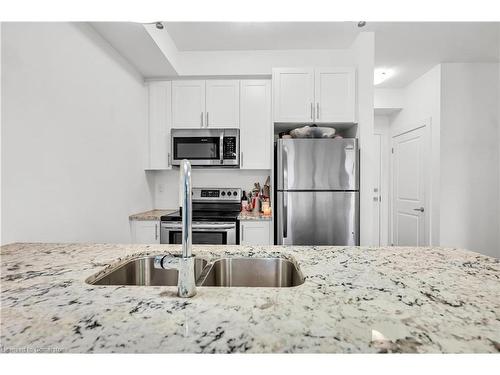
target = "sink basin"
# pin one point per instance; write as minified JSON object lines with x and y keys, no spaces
{"x":141,"y":271}
{"x":252,"y":272}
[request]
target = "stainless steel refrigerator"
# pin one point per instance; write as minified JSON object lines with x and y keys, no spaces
{"x":317,"y":192}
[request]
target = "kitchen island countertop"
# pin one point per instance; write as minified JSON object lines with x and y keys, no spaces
{"x":354,"y":299}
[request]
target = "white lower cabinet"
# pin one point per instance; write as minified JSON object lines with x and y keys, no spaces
{"x":255,"y":232}
{"x":145,"y":232}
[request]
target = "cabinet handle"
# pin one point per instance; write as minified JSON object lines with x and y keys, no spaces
{"x":242,"y":232}
{"x":201,"y":119}
{"x":312,"y":115}
{"x":156,"y":232}
{"x":317,"y":110}
{"x":169,"y":163}
{"x":207,"y":121}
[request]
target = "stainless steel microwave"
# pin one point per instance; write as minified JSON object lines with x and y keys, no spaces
{"x":206,"y":147}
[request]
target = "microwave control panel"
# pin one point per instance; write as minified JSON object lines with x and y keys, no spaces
{"x":229,"y":151}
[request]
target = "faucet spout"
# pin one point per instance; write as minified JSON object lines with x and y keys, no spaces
{"x":186,"y":286}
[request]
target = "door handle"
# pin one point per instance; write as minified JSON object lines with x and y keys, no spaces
{"x":201,"y":119}
{"x":207,"y":121}
{"x":421,"y":209}
{"x":221,"y":147}
{"x":242,"y":232}
{"x":317,"y":110}
{"x":285,"y":214}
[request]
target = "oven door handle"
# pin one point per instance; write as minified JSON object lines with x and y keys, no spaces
{"x":200,"y":226}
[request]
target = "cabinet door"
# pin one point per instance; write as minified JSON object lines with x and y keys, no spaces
{"x":293,"y":91}
{"x":255,"y":124}
{"x":223,"y":104}
{"x":335,"y":95}
{"x":188,"y":104}
{"x":256,"y":232}
{"x":159,"y":124}
{"x":145,"y":232}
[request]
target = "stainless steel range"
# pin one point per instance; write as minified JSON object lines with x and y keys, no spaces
{"x":215,"y":218}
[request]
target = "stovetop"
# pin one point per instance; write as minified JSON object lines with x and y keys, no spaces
{"x":212,"y":204}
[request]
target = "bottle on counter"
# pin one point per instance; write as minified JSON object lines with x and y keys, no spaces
{"x":244,"y":201}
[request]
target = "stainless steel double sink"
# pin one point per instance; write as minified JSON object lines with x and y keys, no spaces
{"x":224,"y":272}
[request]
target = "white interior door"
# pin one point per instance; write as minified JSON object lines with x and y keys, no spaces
{"x":334,"y":91}
{"x":409,"y":189}
{"x":188,"y":104}
{"x":223,"y":103}
{"x":377,"y":152}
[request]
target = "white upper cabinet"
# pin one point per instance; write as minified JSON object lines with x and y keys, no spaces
{"x":293,"y":94}
{"x":334,"y":92}
{"x":188,"y":104}
{"x":322,"y":95}
{"x":222,"y":104}
{"x":159,"y":125}
{"x":255,"y":124}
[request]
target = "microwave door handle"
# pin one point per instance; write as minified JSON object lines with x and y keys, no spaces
{"x":221,"y":146}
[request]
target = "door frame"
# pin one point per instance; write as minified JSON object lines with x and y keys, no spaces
{"x":427,"y":125}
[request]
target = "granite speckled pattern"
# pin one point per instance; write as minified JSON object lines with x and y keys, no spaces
{"x":155,"y":214}
{"x":245,"y":215}
{"x":425,"y":300}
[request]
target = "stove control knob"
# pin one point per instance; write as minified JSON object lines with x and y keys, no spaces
{"x":223,"y":193}
{"x":228,"y":193}
{"x":235,"y":193}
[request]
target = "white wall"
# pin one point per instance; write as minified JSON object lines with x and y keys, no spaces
{"x":167,"y":182}
{"x":422,"y":105}
{"x":470,"y":157}
{"x":73,"y":125}
{"x":364,"y":49}
{"x":388,"y":98}
{"x":381,"y":126}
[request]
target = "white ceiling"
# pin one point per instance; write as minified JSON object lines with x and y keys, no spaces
{"x":410,"y":48}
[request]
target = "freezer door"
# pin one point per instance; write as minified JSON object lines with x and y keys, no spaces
{"x":317,"y":218}
{"x":317,"y":164}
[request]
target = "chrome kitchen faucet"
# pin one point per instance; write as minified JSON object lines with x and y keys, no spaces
{"x":186,"y":284}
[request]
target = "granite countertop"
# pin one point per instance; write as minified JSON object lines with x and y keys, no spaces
{"x":155,"y":214}
{"x":426,"y":300}
{"x":245,"y":215}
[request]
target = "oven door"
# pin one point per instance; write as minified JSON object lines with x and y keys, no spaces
{"x":206,"y":233}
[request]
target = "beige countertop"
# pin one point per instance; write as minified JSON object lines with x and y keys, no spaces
{"x":245,"y":215}
{"x":151,"y":214}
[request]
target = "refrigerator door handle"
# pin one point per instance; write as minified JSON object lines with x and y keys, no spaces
{"x":285,"y":214}
{"x":285,"y":168}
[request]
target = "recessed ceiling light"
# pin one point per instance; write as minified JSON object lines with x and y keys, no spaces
{"x":159,"y":25}
{"x":381,"y":75}
{"x":361,"y":23}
